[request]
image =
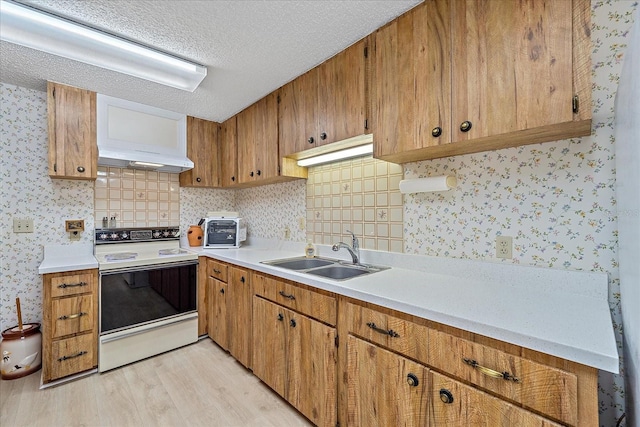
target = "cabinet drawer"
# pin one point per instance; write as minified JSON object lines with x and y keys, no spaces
{"x":455,"y":404}
{"x":217,"y":269}
{"x":71,"y":315}
{"x":305,"y":301}
{"x":62,"y":286}
{"x":402,"y":336}
{"x":542,"y":388}
{"x":72,"y":355}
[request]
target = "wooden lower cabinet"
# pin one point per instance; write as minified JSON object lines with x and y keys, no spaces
{"x":217,"y":312}
{"x":69,"y":323}
{"x":341,"y":361}
{"x":239,"y":314}
{"x":296,"y":356}
{"x":385,"y":389}
{"x":455,"y":404}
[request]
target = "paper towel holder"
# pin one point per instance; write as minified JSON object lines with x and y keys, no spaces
{"x":428,"y":185}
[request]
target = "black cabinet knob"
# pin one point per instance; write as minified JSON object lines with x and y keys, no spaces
{"x":412,"y":380}
{"x":242,"y":279}
{"x":198,"y":179}
{"x":465,"y":126}
{"x":292,"y":323}
{"x":436,"y":132}
{"x":251,"y":174}
{"x":311,"y":140}
{"x":323,"y":136}
{"x":80,"y":169}
{"x":280,"y":317}
{"x":259,"y":172}
{"x":222,"y":291}
{"x":446,"y":396}
{"x":233,"y":178}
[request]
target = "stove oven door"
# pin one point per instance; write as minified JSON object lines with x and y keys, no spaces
{"x":146,"y":311}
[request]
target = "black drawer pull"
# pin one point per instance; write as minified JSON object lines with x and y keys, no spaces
{"x":292,"y":323}
{"x":217,"y":271}
{"x":222,"y":291}
{"x":81,"y":353}
{"x":72,"y":285}
{"x":288,"y":296}
{"x":280,"y":317}
{"x":412,"y":380}
{"x":389,"y":332}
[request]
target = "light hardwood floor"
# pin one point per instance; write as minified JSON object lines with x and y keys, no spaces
{"x":197,"y":385}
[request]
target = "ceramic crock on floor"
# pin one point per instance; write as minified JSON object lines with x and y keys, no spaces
{"x":21,"y":351}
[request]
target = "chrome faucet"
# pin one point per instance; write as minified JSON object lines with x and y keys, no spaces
{"x":354,"y":249}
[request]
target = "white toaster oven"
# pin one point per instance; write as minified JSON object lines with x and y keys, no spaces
{"x":222,"y":232}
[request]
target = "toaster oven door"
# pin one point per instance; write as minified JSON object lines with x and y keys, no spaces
{"x":221,"y":233}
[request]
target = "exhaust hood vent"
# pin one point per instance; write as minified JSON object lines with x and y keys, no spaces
{"x":132,"y":135}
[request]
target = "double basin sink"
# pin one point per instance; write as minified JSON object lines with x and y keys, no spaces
{"x":325,"y":267}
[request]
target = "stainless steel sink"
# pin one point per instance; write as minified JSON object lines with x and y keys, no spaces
{"x":300,"y":263}
{"x":325,"y":267}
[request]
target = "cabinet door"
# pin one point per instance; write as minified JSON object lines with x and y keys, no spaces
{"x":218,"y":325}
{"x":311,"y":368}
{"x":266,"y":153}
{"x":519,"y":77}
{"x":202,"y":149}
{"x":239,"y":315}
{"x":455,"y":404}
{"x":227,"y":134}
{"x":412,"y":81}
{"x":269,"y":344}
{"x":384,"y":389}
{"x":72,"y":132}
{"x":298,"y":114}
{"x":341,"y":95}
{"x":246,"y":132}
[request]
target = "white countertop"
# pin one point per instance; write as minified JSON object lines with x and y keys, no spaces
{"x":76,"y":256}
{"x":559,"y":312}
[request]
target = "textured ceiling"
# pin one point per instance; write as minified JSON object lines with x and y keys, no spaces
{"x":249,"y":47}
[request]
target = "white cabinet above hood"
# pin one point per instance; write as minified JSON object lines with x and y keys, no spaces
{"x":140,"y":136}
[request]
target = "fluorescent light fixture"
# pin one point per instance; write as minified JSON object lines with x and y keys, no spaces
{"x":349,"y":153}
{"x":42,"y":31}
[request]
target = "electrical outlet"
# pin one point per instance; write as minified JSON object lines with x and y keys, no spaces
{"x":504,"y":247}
{"x":22,"y":225}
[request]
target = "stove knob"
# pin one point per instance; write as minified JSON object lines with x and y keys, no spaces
{"x":166,"y":234}
{"x":156,"y":234}
{"x":114,"y":235}
{"x":124,"y":235}
{"x":103,"y":236}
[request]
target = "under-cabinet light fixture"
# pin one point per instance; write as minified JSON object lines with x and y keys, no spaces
{"x":349,"y":153}
{"x":32,"y":28}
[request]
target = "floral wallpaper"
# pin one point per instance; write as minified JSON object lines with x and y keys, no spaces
{"x":271,"y":210}
{"x":26,"y":191}
{"x":557,"y":200}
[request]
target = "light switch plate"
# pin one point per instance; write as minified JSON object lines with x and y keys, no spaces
{"x":22,"y":225}
{"x":504,"y":247}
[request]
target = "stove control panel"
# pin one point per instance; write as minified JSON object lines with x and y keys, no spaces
{"x":132,"y":235}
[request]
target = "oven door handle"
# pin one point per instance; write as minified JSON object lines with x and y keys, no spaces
{"x":142,"y":331}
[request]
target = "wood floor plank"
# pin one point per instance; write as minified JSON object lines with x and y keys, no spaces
{"x":197,"y":385}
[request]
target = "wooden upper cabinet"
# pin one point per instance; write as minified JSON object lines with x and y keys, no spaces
{"x":259,"y":159}
{"x":73,"y":151}
{"x":202,"y":149}
{"x":228,"y":137}
{"x":326,"y":104}
{"x":513,"y":79}
{"x":412,"y":81}
{"x":297,"y":113}
{"x":457,"y":77}
{"x":342,"y":94}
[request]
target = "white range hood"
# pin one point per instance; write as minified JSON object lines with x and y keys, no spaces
{"x":132,"y":135}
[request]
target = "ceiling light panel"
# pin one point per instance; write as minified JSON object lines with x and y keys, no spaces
{"x":38,"y":30}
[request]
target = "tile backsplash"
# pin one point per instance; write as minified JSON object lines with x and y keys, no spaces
{"x":136,"y":198}
{"x":361,"y":195}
